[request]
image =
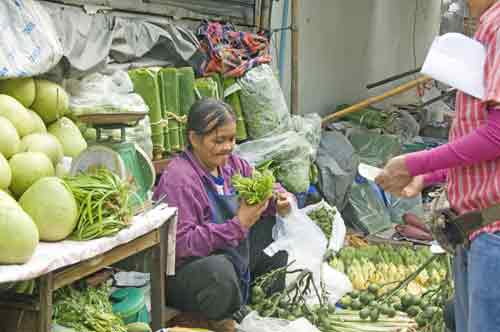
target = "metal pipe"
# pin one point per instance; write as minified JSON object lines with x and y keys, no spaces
{"x":283,"y":40}
{"x":295,"y":58}
{"x":393,"y":78}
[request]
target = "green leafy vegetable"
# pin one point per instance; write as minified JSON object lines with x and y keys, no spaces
{"x":88,"y":310}
{"x":255,"y":189}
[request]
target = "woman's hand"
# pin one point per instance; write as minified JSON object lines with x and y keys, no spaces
{"x":283,"y":204}
{"x":395,"y":176}
{"x":415,"y":187}
{"x":250,"y":214}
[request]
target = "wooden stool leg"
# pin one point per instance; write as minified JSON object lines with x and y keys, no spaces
{"x":158,"y":281}
{"x":45,"y":314}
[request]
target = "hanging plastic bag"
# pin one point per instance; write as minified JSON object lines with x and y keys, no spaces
{"x":31,"y":45}
{"x":304,"y":241}
{"x":263,"y":103}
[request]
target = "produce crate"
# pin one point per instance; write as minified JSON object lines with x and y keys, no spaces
{"x":16,"y":320}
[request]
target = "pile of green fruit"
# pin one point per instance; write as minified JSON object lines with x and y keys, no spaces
{"x":371,"y":307}
{"x":385,"y":264}
{"x":291,"y":304}
{"x":365,"y":302}
{"x":324,"y":218}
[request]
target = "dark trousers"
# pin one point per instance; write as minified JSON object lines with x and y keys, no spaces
{"x":210,"y":285}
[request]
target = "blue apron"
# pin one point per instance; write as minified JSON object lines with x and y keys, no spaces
{"x":224,"y":208}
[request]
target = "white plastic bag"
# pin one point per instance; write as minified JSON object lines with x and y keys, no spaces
{"x":98,"y":93}
{"x":31,"y":45}
{"x":335,"y":283}
{"x":302,"y":239}
{"x":339,"y":230}
{"x":254,"y":323}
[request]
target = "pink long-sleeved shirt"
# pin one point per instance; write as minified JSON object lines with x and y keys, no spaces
{"x":483,"y":144}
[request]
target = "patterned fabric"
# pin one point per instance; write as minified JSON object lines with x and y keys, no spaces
{"x":230,"y":52}
{"x":478,"y":186}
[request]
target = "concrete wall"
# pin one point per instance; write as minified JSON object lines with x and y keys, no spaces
{"x":345,"y":44}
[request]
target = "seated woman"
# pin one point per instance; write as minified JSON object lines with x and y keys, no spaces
{"x":220,"y":240}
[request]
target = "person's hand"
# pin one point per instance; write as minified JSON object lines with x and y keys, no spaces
{"x":395,"y":176}
{"x":248,"y":215}
{"x":283,"y":204}
{"x":414,"y":188}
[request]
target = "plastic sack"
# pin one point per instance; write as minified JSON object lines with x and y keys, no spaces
{"x":404,"y":126}
{"x":337,"y":163}
{"x":98,"y":93}
{"x":255,"y":323}
{"x":366,"y":210}
{"x":335,"y":283}
{"x":374,"y":149}
{"x":398,"y":207}
{"x":304,"y":241}
{"x":31,"y":44}
{"x":294,"y":174}
{"x":291,"y":154}
{"x":310,"y":126}
{"x":263,"y":103}
{"x":337,"y":237}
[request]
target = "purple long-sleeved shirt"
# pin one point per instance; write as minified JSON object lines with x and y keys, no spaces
{"x":182,"y":186}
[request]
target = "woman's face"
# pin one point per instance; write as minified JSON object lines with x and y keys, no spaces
{"x":214,"y":149}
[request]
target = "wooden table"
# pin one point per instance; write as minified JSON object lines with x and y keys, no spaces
{"x":156,"y":241}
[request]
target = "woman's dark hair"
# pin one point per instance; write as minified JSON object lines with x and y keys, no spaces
{"x":207,"y":114}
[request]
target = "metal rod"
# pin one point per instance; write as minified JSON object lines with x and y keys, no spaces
{"x":283,"y":39}
{"x":438,"y":98}
{"x":295,"y":58}
{"x":393,"y":78}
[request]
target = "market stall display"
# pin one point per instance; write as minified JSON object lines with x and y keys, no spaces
{"x":58,"y":264}
{"x":72,"y":182}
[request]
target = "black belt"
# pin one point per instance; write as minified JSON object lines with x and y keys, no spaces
{"x":458,"y":228}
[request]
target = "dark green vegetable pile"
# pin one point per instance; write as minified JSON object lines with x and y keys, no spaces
{"x":88,"y":310}
{"x":103,"y":200}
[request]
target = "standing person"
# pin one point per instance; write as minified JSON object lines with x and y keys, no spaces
{"x":470,"y":166}
{"x":220,"y":240}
